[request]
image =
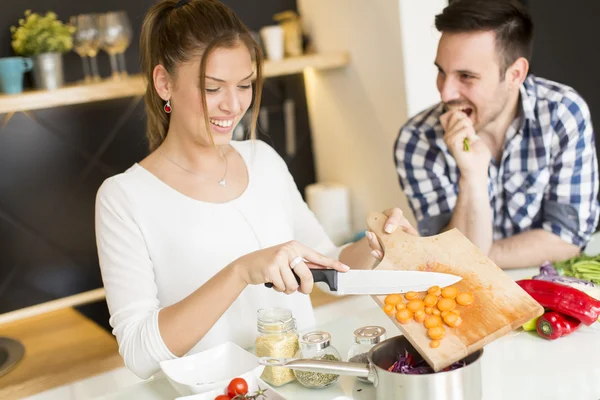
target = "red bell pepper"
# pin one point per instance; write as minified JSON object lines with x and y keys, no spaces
{"x":553,"y":325}
{"x":564,"y":299}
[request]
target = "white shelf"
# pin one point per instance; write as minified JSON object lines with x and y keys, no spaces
{"x":135,"y":86}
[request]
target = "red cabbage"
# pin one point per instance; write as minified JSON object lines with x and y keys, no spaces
{"x":549,"y":273}
{"x":548,"y":269}
{"x":406,"y":365}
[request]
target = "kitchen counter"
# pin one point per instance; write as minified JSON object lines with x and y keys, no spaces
{"x":519,"y":365}
{"x":61,"y":347}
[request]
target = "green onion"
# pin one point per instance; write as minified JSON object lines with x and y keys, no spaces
{"x":466,"y":145}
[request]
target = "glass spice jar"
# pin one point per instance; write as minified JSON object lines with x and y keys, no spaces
{"x":317,"y":346}
{"x":364,"y":339}
{"x":277,"y":337}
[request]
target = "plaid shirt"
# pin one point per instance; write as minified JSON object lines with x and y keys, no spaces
{"x":547,"y":177}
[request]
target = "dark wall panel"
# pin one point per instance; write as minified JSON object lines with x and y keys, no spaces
{"x":565,"y":48}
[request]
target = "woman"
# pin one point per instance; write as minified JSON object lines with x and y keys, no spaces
{"x":187,"y":237}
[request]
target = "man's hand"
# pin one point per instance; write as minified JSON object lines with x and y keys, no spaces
{"x":474,"y":162}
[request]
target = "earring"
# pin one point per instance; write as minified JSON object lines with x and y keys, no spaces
{"x":167,"y":106}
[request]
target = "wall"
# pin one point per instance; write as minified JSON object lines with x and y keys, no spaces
{"x":565,"y":48}
{"x":419,"y":47}
{"x":356,"y":112}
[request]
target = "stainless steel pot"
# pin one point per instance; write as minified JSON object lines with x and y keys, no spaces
{"x":460,"y":384}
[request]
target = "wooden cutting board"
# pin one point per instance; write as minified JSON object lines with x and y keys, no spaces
{"x":500,"y":304}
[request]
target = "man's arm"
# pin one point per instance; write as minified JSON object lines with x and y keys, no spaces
{"x":472,"y":214}
{"x":423,"y":174}
{"x":530,"y":249}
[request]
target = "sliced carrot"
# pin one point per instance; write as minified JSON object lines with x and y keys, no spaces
{"x":435,"y":290}
{"x":428,"y":310}
{"x":449,"y":292}
{"x":415,"y":305}
{"x":400,"y":306}
{"x":450,"y":319}
{"x":433,"y":321}
{"x":404,"y":321}
{"x":444,"y":313}
{"x":420,"y":316}
{"x":404,"y":315}
{"x":411,"y":295}
{"x":436,"y":311}
{"x":389,"y":309}
{"x":434,"y":344}
{"x":446,"y":304}
{"x":436,"y":332}
{"x":464,"y":299}
{"x":393,"y":299}
{"x":430,"y":300}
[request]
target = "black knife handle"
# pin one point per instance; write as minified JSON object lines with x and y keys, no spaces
{"x":329,"y":276}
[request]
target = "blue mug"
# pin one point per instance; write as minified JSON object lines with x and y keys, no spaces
{"x":11,"y":73}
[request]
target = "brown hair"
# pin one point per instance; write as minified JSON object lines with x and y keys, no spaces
{"x":176,"y":31}
{"x":509,"y":19}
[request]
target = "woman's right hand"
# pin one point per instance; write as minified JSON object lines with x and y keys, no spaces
{"x":273,"y":265}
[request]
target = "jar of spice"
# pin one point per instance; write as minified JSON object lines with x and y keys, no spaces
{"x":277,"y":337}
{"x":317,"y":346}
{"x":364,"y":339}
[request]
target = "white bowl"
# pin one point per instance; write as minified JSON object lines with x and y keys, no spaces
{"x":253,"y":384}
{"x":211,"y":369}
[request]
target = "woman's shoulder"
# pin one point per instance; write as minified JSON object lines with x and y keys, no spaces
{"x":118,"y":186}
{"x":259,"y":155}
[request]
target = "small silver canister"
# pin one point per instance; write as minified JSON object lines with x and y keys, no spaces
{"x":364,"y":339}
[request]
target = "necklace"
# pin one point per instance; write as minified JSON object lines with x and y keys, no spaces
{"x":222,"y":182}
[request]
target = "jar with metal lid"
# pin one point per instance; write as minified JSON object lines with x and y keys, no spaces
{"x":277,"y":337}
{"x":364,"y":339}
{"x":317,"y":346}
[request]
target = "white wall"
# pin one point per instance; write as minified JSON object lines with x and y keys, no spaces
{"x":356,"y":112}
{"x":419,"y":46}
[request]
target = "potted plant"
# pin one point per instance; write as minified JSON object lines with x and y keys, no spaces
{"x":44,"y":39}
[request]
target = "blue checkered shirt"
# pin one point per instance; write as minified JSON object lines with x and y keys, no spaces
{"x":547,"y":177}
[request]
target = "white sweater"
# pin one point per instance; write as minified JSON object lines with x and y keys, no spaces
{"x":156,"y":246}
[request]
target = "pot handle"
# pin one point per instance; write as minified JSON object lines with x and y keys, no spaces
{"x":332,"y":367}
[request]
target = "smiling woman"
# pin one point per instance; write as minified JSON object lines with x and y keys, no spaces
{"x":188,"y":236}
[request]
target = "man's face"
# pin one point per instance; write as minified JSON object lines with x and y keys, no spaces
{"x":469,"y":76}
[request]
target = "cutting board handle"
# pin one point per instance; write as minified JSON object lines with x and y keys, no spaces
{"x":375,"y":223}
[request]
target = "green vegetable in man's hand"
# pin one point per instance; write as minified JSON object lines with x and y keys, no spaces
{"x":466,"y":145}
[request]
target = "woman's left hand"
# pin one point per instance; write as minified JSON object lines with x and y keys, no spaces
{"x":396,"y":219}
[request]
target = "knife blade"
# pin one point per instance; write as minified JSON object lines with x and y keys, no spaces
{"x":380,"y":282}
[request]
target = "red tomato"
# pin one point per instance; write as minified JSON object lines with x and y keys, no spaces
{"x":236,"y":387}
{"x":222,"y":397}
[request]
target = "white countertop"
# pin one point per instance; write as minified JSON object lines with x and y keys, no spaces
{"x":520,"y":365}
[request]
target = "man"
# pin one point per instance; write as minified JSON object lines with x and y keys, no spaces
{"x":507,"y":158}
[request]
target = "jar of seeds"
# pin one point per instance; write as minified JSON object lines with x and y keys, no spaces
{"x":277,"y":337}
{"x":364,"y":339}
{"x":317,"y":346}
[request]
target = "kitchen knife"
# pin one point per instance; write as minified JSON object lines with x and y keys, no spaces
{"x":379,"y":282}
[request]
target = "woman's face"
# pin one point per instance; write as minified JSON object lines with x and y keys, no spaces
{"x":228,"y":93}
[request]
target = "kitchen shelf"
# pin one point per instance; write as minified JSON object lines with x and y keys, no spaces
{"x":135,"y":86}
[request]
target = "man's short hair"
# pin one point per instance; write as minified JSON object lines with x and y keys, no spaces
{"x":509,"y":19}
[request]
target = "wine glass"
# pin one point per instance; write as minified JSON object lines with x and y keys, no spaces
{"x":86,"y":41}
{"x":94,"y":47}
{"x":128,"y":34}
{"x":116,"y":36}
